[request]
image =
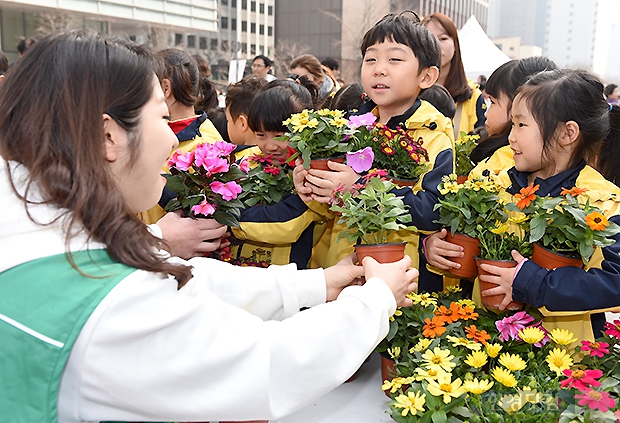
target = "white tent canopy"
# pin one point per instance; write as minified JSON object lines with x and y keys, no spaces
{"x":480,"y":56}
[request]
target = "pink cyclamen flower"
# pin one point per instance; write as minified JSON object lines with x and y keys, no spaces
{"x":361,"y":161}
{"x":362,"y":120}
{"x":180,"y":160}
{"x":223,"y":148}
{"x":244,"y":165}
{"x":612,"y":329}
{"x":228,"y":190}
{"x":596,"y":400}
{"x":204,"y":208}
{"x":597,"y":349}
{"x":509,"y":327}
{"x":581,"y":379}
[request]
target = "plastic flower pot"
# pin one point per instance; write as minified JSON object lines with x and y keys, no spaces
{"x":383,"y":253}
{"x":548,"y":259}
{"x":321,"y":164}
{"x":494,"y":301}
{"x":471,"y":248}
{"x":388,"y":370}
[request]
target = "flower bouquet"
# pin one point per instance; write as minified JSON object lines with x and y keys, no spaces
{"x":463,"y":147}
{"x":457,"y":363}
{"x":206,"y":182}
{"x":267,"y":182}
{"x":318,"y":134}
{"x":564,"y":224}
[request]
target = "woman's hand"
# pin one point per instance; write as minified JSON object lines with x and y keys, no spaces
{"x":341,"y":275}
{"x":399,"y":277}
{"x":502,"y":277}
{"x":437,"y":250}
{"x":186,"y":237}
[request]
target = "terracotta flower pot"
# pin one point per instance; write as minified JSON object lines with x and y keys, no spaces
{"x":383,"y":253}
{"x":546,"y":258}
{"x":461,"y":179}
{"x":405,"y":182}
{"x":471,"y":247}
{"x":321,"y":164}
{"x":388,"y":370}
{"x":495,"y":300}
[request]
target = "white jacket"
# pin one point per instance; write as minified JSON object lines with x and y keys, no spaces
{"x":230,"y":345}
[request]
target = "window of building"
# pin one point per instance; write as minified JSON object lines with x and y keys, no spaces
{"x":270,"y":31}
{"x":253,"y":49}
{"x":244,"y":26}
{"x":178,"y":39}
{"x":253,"y":27}
{"x":252,"y":6}
{"x":233,"y":24}
{"x":261,"y":49}
{"x":270,"y":10}
{"x":244,"y":47}
{"x":233,"y":3}
{"x":213,"y":43}
{"x":191,"y":41}
{"x":244,"y":4}
{"x":224,"y":45}
{"x":224,"y":2}
{"x":202,"y":43}
{"x":261,"y":29}
{"x":261,"y":8}
{"x":224,"y":22}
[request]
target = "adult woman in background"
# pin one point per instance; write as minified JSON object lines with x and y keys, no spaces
{"x":95,"y":323}
{"x":309,"y":66}
{"x":470,"y":106}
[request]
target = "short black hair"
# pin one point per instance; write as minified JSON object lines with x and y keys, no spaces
{"x":440,"y":97}
{"x":24,"y":44}
{"x":266,"y":60}
{"x":4,"y":63}
{"x":609,"y":89}
{"x":277,"y":102}
{"x":405,"y":28}
{"x":331,"y":63}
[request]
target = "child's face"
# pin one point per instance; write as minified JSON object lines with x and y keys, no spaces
{"x":497,"y":114}
{"x":265,"y":141}
{"x":391,"y":77}
{"x":445,"y":42}
{"x":526,"y":141}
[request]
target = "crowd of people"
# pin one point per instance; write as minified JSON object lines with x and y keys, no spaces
{"x":109,"y":309}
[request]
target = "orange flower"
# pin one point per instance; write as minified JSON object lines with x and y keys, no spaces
{"x":596,"y":221}
{"x":574,"y":191}
{"x":477,"y":335}
{"x":449,"y":315}
{"x":433,"y":328}
{"x":468,"y":313}
{"x":526,"y":195}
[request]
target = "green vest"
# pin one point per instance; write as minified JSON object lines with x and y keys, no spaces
{"x":44,"y":304}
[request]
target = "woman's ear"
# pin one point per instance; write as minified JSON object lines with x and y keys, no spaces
{"x":431,"y":74}
{"x":114,"y":138}
{"x":166,"y":88}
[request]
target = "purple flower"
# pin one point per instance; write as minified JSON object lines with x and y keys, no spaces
{"x":204,"y":208}
{"x":228,"y":191}
{"x":510,"y":326}
{"x":361,"y":161}
{"x":362,"y":120}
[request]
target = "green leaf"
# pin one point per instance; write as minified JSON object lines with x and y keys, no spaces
{"x":440,"y":416}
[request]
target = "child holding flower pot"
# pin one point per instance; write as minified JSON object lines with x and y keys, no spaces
{"x":559,"y":118}
{"x":401,"y":57}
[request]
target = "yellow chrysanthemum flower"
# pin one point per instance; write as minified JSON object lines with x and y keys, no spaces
{"x":394,"y":352}
{"x":396,"y":383}
{"x":450,"y":187}
{"x":519,"y":218}
{"x":411,"y":403}
{"x":477,"y":359}
{"x":531,"y":395}
{"x":443,"y":386}
{"x":398,"y":312}
{"x":338,"y":122}
{"x":511,"y":403}
{"x":438,"y":359}
{"x":464,"y":342}
{"x":422,"y":344}
{"x":493,"y":349}
{"x":531,"y":335}
{"x":425,"y":300}
{"x":313,"y":123}
{"x":467,"y":303}
{"x":562,"y":336}
{"x":429,"y":374}
{"x":325,"y":112}
{"x":476,"y":386}
{"x":453,"y":289}
{"x":505,"y":377}
{"x":559,"y":360}
{"x":499,"y":228}
{"x":512,"y":362}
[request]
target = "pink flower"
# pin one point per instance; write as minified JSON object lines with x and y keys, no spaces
{"x":361,"y":161}
{"x":617,"y":415}
{"x":597,"y":349}
{"x":612,"y":329}
{"x":510,"y":326}
{"x":362,"y":120}
{"x":580,"y":379}
{"x":213,"y":164}
{"x":180,"y":160}
{"x":273,"y":170}
{"x":244,"y":165}
{"x":228,"y":190}
{"x":204,"y":208}
{"x":596,"y":400}
{"x":223,"y":148}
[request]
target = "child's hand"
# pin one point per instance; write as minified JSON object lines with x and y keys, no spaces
{"x":398,"y":276}
{"x":437,"y":250}
{"x":503,"y":278}
{"x":299,"y":180}
{"x":323,"y":182}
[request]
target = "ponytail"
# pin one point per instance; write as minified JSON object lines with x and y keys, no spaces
{"x":207,"y":95}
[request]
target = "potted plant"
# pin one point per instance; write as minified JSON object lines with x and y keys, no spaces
{"x":266,"y":183}
{"x":394,"y":150}
{"x":564,"y":226}
{"x":206,"y":182}
{"x":318,"y":135}
{"x":459,"y":363}
{"x":371,"y":212}
{"x":463,"y":147}
{"x":466,"y":210}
